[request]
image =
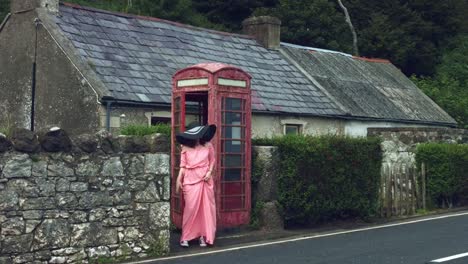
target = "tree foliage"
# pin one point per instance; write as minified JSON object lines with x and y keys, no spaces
{"x":4,"y":9}
{"x":448,"y":88}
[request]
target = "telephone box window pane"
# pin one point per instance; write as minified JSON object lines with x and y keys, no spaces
{"x":233,"y":132}
{"x":232,"y":175}
{"x":232,"y":161}
{"x":230,"y":118}
{"x":234,"y":146}
{"x":233,"y":188}
{"x":232,"y":203}
{"x":233,"y":104}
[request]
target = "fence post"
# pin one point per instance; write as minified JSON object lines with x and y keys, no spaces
{"x":423,"y":183}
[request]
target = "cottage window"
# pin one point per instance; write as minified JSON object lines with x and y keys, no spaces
{"x":160,"y":120}
{"x":293,"y":126}
{"x":292,"y":129}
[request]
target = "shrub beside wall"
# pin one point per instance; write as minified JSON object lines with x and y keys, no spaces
{"x":447,"y":173}
{"x":327,"y":178}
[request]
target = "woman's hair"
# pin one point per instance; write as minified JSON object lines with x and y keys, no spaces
{"x":191,"y":143}
{"x":202,"y":141}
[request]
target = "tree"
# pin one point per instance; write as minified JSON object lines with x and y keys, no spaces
{"x":4,"y":9}
{"x":448,"y":88}
{"x":230,"y":13}
{"x":351,"y":27}
{"x":312,"y":23}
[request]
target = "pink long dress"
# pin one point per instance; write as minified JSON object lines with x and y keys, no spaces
{"x":199,"y":218}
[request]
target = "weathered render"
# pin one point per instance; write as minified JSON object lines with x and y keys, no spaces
{"x":62,"y":95}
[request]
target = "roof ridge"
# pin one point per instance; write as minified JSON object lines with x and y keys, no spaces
{"x":155,"y":19}
{"x":312,"y":49}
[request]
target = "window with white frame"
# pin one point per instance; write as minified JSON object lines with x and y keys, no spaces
{"x":293,"y":126}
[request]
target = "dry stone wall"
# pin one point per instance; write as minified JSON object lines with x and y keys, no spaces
{"x":399,"y":144}
{"x":88,"y":198}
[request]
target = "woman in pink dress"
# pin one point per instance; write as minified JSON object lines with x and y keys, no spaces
{"x":197,"y":161}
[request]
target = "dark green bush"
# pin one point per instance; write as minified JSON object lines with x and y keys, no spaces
{"x":143,"y":130}
{"x":447,"y":173}
{"x":327,"y":178}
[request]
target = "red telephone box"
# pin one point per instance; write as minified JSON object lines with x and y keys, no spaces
{"x":215,"y":93}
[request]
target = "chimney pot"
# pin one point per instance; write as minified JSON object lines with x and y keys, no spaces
{"x":265,"y":29}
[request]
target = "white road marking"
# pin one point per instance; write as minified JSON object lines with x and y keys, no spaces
{"x":297,"y":239}
{"x":450,"y":258}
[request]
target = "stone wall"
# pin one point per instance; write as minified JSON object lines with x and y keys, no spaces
{"x":399,"y":144}
{"x":74,"y":201}
{"x":265,"y":187}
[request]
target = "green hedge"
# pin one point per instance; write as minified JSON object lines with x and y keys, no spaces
{"x":447,"y":173}
{"x":327,"y":178}
{"x":143,"y":130}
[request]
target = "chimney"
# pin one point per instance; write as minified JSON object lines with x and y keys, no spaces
{"x":18,"y":6}
{"x":265,"y":29}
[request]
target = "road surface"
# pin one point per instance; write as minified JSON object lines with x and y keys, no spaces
{"x":439,"y":239}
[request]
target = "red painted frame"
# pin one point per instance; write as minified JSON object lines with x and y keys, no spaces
{"x":216,"y":93}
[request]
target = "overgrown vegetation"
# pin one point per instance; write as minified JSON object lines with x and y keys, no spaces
{"x":158,"y":248}
{"x":447,"y":173}
{"x":327,"y":178}
{"x":143,"y":130}
{"x":448,"y":88}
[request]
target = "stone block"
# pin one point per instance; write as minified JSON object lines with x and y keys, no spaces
{"x":78,"y":186}
{"x":135,"y":165}
{"x":84,"y":235}
{"x":9,"y":200}
{"x":87,"y":143}
{"x":159,"y":215}
{"x":78,"y":217}
{"x":39,"y":168}
{"x":159,"y":143}
{"x":148,"y":195}
{"x":24,"y":140}
{"x":97,"y":252}
{"x":56,"y":141}
{"x":39,"y":203}
{"x":59,"y":169}
{"x":66,"y":201}
{"x":16,"y":244}
{"x":63,"y":185}
{"x":32,"y":214}
{"x":18,"y":166}
{"x":112,"y":167}
{"x":52,"y":233}
{"x":158,"y":163}
{"x":13,"y":227}
{"x":87,"y":168}
{"x":133,"y":144}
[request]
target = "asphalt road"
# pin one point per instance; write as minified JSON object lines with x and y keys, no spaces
{"x":414,"y":243}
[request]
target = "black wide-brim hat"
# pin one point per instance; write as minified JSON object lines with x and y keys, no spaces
{"x":205,"y":133}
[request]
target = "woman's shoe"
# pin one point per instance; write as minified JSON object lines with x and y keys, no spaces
{"x":184,"y":244}
{"x":202,"y":242}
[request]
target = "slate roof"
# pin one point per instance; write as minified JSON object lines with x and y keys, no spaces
{"x":135,"y":57}
{"x":367,"y":87}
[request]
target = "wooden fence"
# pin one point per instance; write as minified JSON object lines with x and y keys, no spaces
{"x":402,"y":189}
